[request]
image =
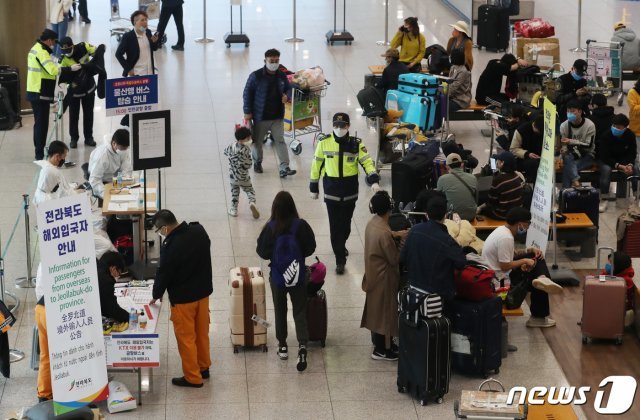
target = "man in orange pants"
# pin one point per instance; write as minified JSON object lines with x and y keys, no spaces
{"x":185,"y":273}
{"x":45,"y":392}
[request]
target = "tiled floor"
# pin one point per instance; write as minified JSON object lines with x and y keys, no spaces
{"x":202,"y":86}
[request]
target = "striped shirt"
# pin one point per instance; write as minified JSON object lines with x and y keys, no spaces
{"x":505,"y":193}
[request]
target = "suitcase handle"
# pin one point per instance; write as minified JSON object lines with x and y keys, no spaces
{"x":491,"y":381}
{"x":598,"y":267}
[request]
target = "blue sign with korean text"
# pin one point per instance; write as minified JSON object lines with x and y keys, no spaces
{"x":131,"y":94}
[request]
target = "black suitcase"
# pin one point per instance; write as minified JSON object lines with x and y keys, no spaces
{"x":371,"y":79}
{"x":581,"y":200}
{"x":476,"y":336}
{"x":493,"y":28}
{"x":409,"y":176}
{"x":8,"y":117}
{"x":424,"y":366}
{"x":317,"y":319}
{"x":10,"y":79}
{"x":371,"y":101}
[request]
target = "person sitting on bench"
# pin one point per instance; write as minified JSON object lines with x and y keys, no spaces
{"x":516,"y":116}
{"x":392,"y":71}
{"x":522,"y":268}
{"x":617,"y":151}
{"x":507,"y":188}
{"x":460,"y":85}
{"x":527,"y":147}
{"x":490,"y":82}
{"x":577,"y":136}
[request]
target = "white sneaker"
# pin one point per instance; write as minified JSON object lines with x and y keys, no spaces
{"x":603,"y":206}
{"x":233,"y":212}
{"x":545,"y":322}
{"x":254,"y":210}
{"x":546,"y":285}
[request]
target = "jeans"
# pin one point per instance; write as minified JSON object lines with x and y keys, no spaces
{"x":87,"y":102}
{"x":572,"y":166}
{"x":277,"y":132}
{"x":61,"y":29}
{"x":165,"y":14}
{"x":340,"y":214}
{"x":539,"y":299}
{"x":299,"y":303}
{"x":605,"y":178}
{"x":40,"y":126}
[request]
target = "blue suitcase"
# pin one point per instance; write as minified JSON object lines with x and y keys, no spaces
{"x":416,"y":109}
{"x":418,"y":84}
{"x":476,"y":335}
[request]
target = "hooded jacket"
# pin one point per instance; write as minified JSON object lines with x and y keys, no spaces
{"x":631,"y":52}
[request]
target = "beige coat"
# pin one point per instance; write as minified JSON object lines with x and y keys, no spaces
{"x":381,"y":257}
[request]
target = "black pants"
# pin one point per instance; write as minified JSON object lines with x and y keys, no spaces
{"x":165,"y":14}
{"x":340,"y":214}
{"x":87,"y":102}
{"x":299,"y":303}
{"x":380,"y":343}
{"x":82,"y":8}
{"x":40,"y":126}
{"x":529,"y":167}
{"x":539,"y":299}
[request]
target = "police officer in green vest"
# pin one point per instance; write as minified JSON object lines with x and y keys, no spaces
{"x":336,"y":159}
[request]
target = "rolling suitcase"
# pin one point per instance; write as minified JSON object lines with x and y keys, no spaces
{"x":10,"y":80}
{"x":582,"y":200}
{"x":424,"y":367}
{"x":371,"y":79}
{"x":418,"y":84}
{"x":247,"y":309}
{"x":317,"y":317}
{"x":603,"y":306}
{"x":476,"y":336}
{"x":418,"y":110}
{"x":493,"y":28}
{"x":408,"y":177}
{"x":372,"y":102}
{"x":8,"y":118}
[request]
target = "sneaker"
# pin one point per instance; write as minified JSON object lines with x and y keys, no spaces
{"x":388,"y":356}
{"x":603,"y":206}
{"x":90,"y":143}
{"x":286,"y":172}
{"x":340,"y":269}
{"x":254,"y":210}
{"x":545,"y":322}
{"x":546,"y":285}
{"x":73,"y":144}
{"x":177,"y":47}
{"x":257,"y":168}
{"x":302,"y":359}
{"x":233,"y":212}
{"x":283,"y":352}
{"x":183,"y":382}
{"x":86,"y":20}
{"x":205,"y":374}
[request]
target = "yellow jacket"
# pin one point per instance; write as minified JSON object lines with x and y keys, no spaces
{"x":411,"y":48}
{"x":633,"y":99}
{"x":41,"y":72}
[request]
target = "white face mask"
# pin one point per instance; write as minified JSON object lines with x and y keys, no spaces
{"x":273,"y":66}
{"x":121,"y":152}
{"x":247,"y":143}
{"x":340,"y":132}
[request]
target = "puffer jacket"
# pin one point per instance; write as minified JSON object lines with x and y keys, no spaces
{"x":631,"y":55}
{"x":257,"y":89}
{"x":464,"y":234}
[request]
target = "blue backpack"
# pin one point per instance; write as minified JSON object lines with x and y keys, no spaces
{"x":287,"y":262}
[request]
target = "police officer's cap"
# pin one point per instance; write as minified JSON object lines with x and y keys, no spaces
{"x":341,"y":118}
{"x":66,"y":43}
{"x":48,"y":34}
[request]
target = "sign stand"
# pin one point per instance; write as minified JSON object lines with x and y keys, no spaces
{"x":294,"y":38}
{"x":335,"y":36}
{"x":579,"y":47}
{"x":562,"y":276}
{"x":204,"y":39}
{"x":237,"y":38}
{"x":28,"y":282}
{"x":386,"y":25}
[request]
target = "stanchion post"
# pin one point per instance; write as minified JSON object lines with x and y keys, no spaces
{"x":579,"y":47}
{"x":14,"y":355}
{"x":295,"y":37}
{"x":29,"y":281}
{"x":204,"y":39}
{"x":386,"y":25}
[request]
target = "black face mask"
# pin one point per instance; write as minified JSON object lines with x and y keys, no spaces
{"x":61,"y":163}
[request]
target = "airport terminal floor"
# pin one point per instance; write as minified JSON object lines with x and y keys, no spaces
{"x":202,"y":87}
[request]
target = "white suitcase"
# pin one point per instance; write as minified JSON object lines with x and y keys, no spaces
{"x":247,"y":292}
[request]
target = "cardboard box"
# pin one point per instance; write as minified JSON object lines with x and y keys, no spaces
{"x":543,"y":52}
{"x":302,"y":110}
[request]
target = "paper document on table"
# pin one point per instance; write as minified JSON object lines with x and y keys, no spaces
{"x":122,"y":197}
{"x":138,"y":190}
{"x":151,"y":136}
{"x":151,"y":205}
{"x":118,"y":206}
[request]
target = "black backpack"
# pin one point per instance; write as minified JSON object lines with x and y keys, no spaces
{"x":437,"y":59}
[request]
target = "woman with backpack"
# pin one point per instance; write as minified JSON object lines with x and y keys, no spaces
{"x":286,"y":240}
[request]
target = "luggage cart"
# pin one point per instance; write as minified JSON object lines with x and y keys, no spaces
{"x":604,"y":67}
{"x":122,"y":25}
{"x":304,"y":112}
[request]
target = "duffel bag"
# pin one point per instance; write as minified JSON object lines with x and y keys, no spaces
{"x":474,"y":283}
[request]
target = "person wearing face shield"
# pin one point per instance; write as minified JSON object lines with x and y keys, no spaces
{"x":336,"y":158}
{"x":110,"y":267}
{"x":107,"y":160}
{"x":573,"y":87}
{"x":521,"y":268}
{"x":578,"y":140}
{"x":265,"y":93}
{"x":392,"y":71}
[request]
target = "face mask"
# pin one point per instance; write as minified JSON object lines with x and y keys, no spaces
{"x":521,"y":230}
{"x":340,"y":132}
{"x":247,"y":142}
{"x":142,"y":28}
{"x":576,"y":76}
{"x":273,"y":66}
{"x":607,"y":269}
{"x":571,"y":116}
{"x":61,"y":163}
{"x":121,"y":152}
{"x":616,"y":131}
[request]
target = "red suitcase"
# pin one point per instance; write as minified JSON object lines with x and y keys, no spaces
{"x":317,"y":317}
{"x":603,"y":306}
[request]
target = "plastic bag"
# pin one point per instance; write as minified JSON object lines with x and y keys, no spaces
{"x":120,"y":399}
{"x":310,"y":78}
{"x":535,"y":28}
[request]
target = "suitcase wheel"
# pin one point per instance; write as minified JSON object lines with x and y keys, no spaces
{"x":402,"y":389}
{"x":586,"y":340}
{"x":619,"y":341}
{"x":322,"y":343}
{"x":235,"y":349}
{"x":497,"y":371}
{"x":297,"y":149}
{"x":265,"y":348}
{"x":424,"y":402}
{"x":439,"y":400}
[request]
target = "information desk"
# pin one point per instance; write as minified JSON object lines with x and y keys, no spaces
{"x":135,"y":348}
{"x":125,"y":202}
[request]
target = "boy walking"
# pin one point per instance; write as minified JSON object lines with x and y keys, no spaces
{"x":239,"y":154}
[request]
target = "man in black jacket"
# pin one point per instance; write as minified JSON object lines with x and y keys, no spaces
{"x":110,"y":266}
{"x":172,"y":7}
{"x":617,"y":151}
{"x":392,"y":71}
{"x":573,"y":86}
{"x":526,"y":145}
{"x":185,"y":273}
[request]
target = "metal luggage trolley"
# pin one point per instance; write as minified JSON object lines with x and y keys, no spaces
{"x":305,"y":107}
{"x":604,"y":68}
{"x":123,"y":25}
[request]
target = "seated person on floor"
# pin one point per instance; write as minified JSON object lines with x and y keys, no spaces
{"x":578,"y":144}
{"x":526,"y":145}
{"x":490,"y":82}
{"x":460,"y":84}
{"x":573,"y":86}
{"x":622,"y":267}
{"x":601,"y":115}
{"x":526,"y":267}
{"x":516,"y":116}
{"x":507,"y":188}
{"x":617,"y":151}
{"x":460,"y":188}
{"x":392,"y":71}
{"x":110,"y":266}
